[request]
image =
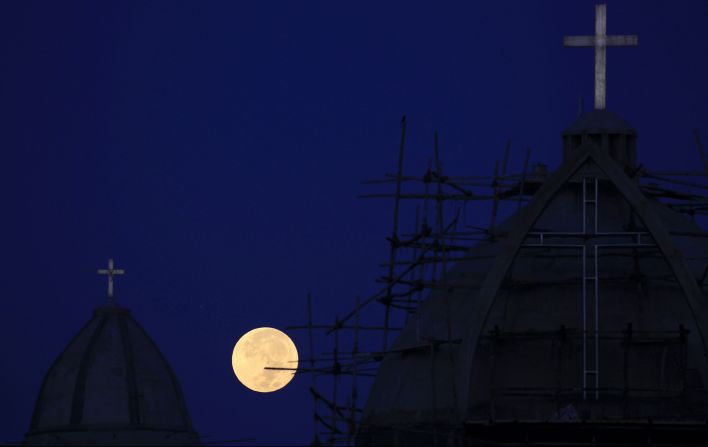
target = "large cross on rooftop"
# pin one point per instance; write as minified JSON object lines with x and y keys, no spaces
{"x":600,"y":41}
{"x":110,"y":272}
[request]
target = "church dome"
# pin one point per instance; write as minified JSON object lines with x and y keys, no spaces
{"x":589,"y":305}
{"x":111,"y":385}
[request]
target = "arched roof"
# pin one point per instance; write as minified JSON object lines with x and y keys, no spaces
{"x":640,"y":204}
{"x":412,"y":381}
{"x":111,"y":385}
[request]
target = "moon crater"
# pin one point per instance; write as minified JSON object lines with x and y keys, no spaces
{"x":260,"y":348}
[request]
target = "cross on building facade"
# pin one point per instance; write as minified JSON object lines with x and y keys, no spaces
{"x":589,"y":241}
{"x":110,"y":272}
{"x":601,"y":41}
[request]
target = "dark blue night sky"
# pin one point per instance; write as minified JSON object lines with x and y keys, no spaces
{"x":216,"y":151}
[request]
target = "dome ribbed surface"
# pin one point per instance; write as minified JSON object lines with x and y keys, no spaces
{"x":523,"y":346}
{"x":111,"y":385}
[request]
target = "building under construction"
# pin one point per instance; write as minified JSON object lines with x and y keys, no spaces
{"x":580,"y":318}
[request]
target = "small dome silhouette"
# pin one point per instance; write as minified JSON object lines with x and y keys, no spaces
{"x":111,"y":385}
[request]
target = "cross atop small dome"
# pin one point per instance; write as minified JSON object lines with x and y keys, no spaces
{"x":110,"y":272}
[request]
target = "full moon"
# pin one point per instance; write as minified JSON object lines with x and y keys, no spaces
{"x":261,"y":347}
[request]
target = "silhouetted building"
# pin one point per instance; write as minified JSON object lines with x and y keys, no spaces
{"x":582,"y":320}
{"x":111,"y":385}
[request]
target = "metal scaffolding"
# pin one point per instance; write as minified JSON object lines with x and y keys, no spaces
{"x":439,"y":235}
